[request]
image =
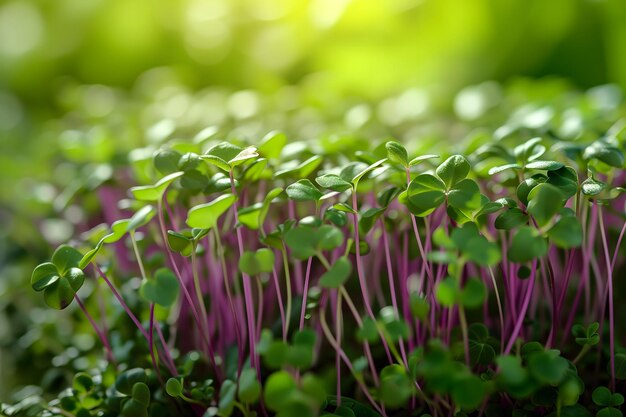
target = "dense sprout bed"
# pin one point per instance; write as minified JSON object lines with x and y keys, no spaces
{"x":353,"y":274}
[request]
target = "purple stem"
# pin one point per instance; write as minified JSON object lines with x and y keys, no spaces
{"x":520,"y":318}
{"x":610,"y":296}
{"x":305,"y":292}
{"x":247,"y":291}
{"x":122,"y":303}
{"x":101,"y":335}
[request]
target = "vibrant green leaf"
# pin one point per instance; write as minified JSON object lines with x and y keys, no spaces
{"x":453,"y":170}
{"x":162,"y":289}
{"x":205,"y":216}
{"x":338,"y":273}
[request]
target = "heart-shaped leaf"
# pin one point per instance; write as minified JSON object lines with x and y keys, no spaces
{"x":527,"y":245}
{"x":43,"y":276}
{"x":545,"y":201}
{"x":155,"y":192}
{"x":162,"y":289}
{"x":205,"y":216}
{"x":338,"y":273}
{"x":453,"y":170}
{"x":465,"y":195}
{"x":426,"y":192}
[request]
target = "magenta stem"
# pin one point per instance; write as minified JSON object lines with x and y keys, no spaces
{"x":101,"y":335}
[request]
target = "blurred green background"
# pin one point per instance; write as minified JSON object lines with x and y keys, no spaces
{"x":82,"y":82}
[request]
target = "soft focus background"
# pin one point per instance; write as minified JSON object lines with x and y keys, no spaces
{"x":84,"y":82}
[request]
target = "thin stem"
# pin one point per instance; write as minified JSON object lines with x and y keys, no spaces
{"x":247,"y":290}
{"x":305,"y":292}
{"x":122,"y":303}
{"x":500,"y":311}
{"x":101,"y":335}
{"x":338,"y":329}
{"x":463,"y":322}
{"x":522,"y":315}
{"x":289,"y":295}
{"x":204,"y":317}
{"x":151,"y":325}
{"x":610,"y":295}
{"x":346,"y":360}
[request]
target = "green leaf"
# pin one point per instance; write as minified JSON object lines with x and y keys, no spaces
{"x":304,"y":169}
{"x":174,"y":388}
{"x":368,"y":331}
{"x":511,"y":372}
{"x":272,"y":144}
{"x":82,"y":382}
{"x":189,"y":162}
{"x":333,"y":182}
{"x":545,"y":201}
{"x":141,"y":393}
{"x":276,"y":354}
{"x":426,"y":192}
{"x":527,"y":245}
{"x":303,"y":190}
{"x":481,"y":353}
{"x":605,"y":152}
{"x":179,"y":243}
{"x":301,"y":242}
{"x":155,"y":192}
{"x":141,"y":218}
{"x":565,"y":179}
{"x":468,"y":392}
{"x":465,"y":194}
{"x":602,"y":396}
{"x":118,"y":230}
{"x":473,"y":293}
{"x":591,"y":186}
{"x":246,"y":154}
{"x":545,"y":165}
{"x":43,"y":276}
{"x":529,"y":151}
{"x":60,"y":294}
{"x":162,"y":289}
{"x":421,"y":158}
{"x":249,"y":216}
{"x":328,"y":237}
{"x":265,"y":259}
{"x":338,"y":273}
{"x":501,"y":168}
{"x":609,"y":412}
{"x":227,"y":398}
{"x":567,"y":232}
{"x":249,"y":388}
{"x":510,"y":219}
{"x":526,"y":186}
{"x":253,"y":263}
{"x":205,"y":216}
{"x":279,"y":387}
{"x":395,"y":386}
{"x":453,"y":170}
{"x":358,"y":175}
{"x":66,"y":257}
{"x":419,"y":306}
{"x":397,"y":153}
{"x":166,"y":161}
{"x":447,"y":292}
{"x":548,"y":367}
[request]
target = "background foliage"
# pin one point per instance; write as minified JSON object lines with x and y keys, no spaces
{"x":141,"y":71}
